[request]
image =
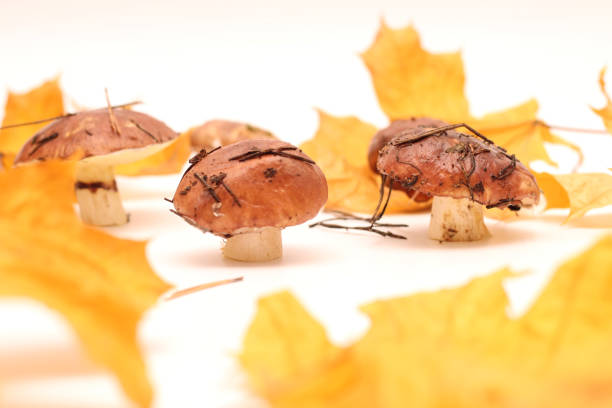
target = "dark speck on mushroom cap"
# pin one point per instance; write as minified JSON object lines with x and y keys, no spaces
{"x":90,"y":134}
{"x":252,"y":195}
{"x":457,"y":165}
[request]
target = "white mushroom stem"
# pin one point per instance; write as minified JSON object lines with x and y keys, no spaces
{"x":97,"y":195}
{"x":455,"y":219}
{"x":255,"y":245}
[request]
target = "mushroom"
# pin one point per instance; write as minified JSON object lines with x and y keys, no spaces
{"x":384,"y":136}
{"x":101,"y":138}
{"x":215,"y":133}
{"x":247,"y":192}
{"x":462,"y":172}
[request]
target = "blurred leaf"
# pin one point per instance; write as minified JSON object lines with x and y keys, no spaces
{"x":43,"y":102}
{"x":555,"y":194}
{"x":409,"y":81}
{"x":340,"y":148}
{"x":6,"y":160}
{"x":604,"y":113}
{"x":169,"y":160}
{"x":520,"y":132}
{"x":586,"y":191}
{"x":102,"y":285}
{"x":284,"y":324}
{"x":580,"y":192}
{"x":451,"y":348}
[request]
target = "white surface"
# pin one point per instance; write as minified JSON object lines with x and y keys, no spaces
{"x":270,"y":64}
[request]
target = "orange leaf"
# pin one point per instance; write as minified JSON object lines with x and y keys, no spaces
{"x":340,"y":148}
{"x":606,"y":112}
{"x":555,"y":194}
{"x":169,"y":160}
{"x":6,"y":160}
{"x":45,"y":101}
{"x":586,"y":191}
{"x":450,"y":348}
{"x":580,"y":192}
{"x":409,"y":81}
{"x":102,"y":285}
{"x":517,"y":131}
{"x":299,"y":339}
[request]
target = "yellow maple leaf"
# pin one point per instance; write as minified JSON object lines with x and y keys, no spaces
{"x":606,"y":112}
{"x":555,"y":194}
{"x":451,"y":348}
{"x":169,"y":160}
{"x":340,"y":148}
{"x":520,"y":132}
{"x":43,"y":102}
{"x":303,"y":340}
{"x":409,"y":81}
{"x":586,"y":191}
{"x":580,"y":192}
{"x":6,"y":160}
{"x":102,"y":285}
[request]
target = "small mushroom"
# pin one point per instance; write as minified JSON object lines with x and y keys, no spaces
{"x":462,"y":172}
{"x":215,"y":133}
{"x":247,"y":192}
{"x":102,"y":138}
{"x":384,"y":136}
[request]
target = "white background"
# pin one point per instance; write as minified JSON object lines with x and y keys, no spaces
{"x":270,"y":63}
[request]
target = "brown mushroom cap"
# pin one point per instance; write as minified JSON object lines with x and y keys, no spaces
{"x":384,"y":136}
{"x":457,"y":165}
{"x":215,"y":133}
{"x":250,"y":184}
{"x":90,"y":134}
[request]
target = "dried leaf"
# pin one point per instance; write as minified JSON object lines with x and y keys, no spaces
{"x":170,"y":160}
{"x":606,"y":112}
{"x":45,"y":101}
{"x":554,"y":193}
{"x":518,"y":131}
{"x":283,"y":323}
{"x":6,"y":160}
{"x":451,"y":348}
{"x":102,"y":285}
{"x":586,"y":192}
{"x":340,"y":148}
{"x":409,"y":81}
{"x":580,"y":192}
